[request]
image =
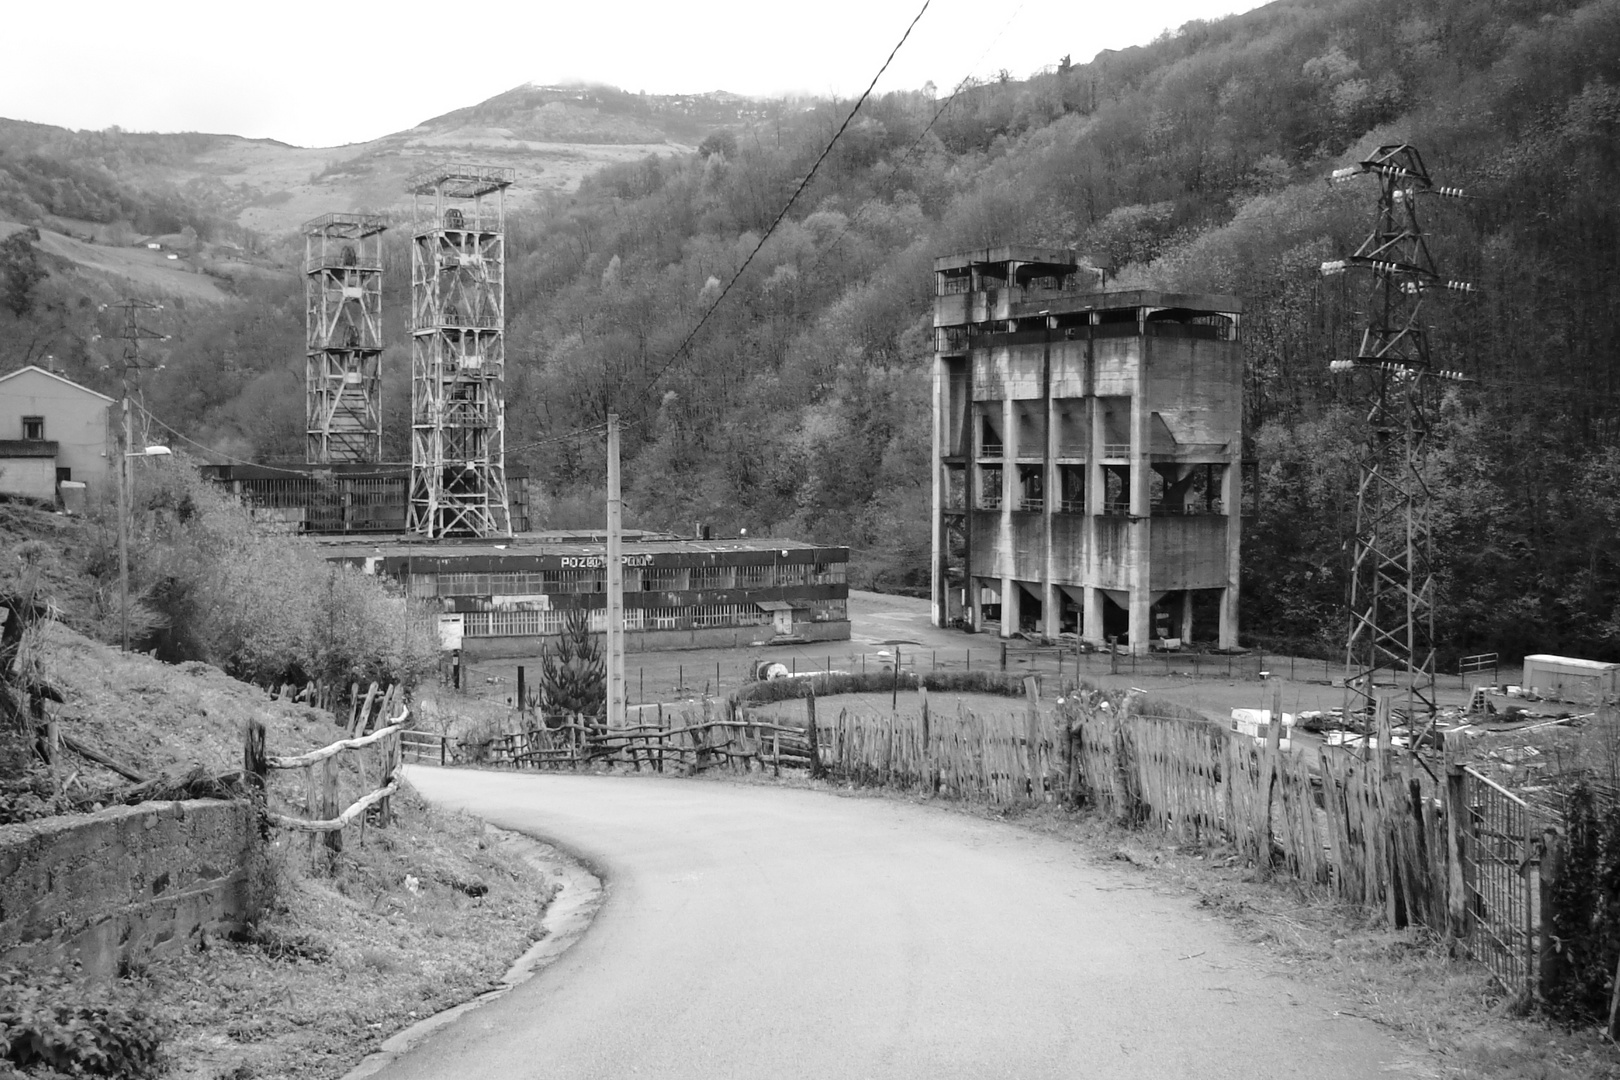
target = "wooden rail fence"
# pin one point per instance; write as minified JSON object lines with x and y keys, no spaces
{"x":324,"y":814}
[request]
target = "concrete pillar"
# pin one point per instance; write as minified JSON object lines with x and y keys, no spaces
{"x":1139,"y":569}
{"x":1051,"y":623}
{"x":1186,"y":615}
{"x":1091,"y":615}
{"x":1009,"y":500}
{"x":975,"y":603}
{"x":1096,"y":489}
{"x":1232,"y":503}
{"x":942,"y":425}
{"x":1011,"y":606}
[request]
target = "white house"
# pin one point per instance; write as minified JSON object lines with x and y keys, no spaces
{"x":54,"y":430}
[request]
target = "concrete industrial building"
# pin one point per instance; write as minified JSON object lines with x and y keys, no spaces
{"x":52,"y":432}
{"x":1087,"y":453}
{"x":678,"y":593}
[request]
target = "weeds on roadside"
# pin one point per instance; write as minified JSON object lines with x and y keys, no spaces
{"x":55,"y":1020}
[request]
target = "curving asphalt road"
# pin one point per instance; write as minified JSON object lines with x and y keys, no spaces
{"x":752,"y":931}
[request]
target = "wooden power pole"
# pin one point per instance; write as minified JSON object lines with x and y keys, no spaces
{"x":615,"y":584}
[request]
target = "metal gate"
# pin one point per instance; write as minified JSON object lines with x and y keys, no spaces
{"x":1498,"y":851}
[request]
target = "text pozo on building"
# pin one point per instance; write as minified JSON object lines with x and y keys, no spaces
{"x":598,"y":562}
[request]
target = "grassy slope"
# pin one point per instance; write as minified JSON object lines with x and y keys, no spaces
{"x":348,"y":953}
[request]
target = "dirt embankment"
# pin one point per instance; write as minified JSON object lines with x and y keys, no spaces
{"x":405,"y":921}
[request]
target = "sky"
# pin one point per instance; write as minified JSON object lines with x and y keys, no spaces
{"x":326,"y":73}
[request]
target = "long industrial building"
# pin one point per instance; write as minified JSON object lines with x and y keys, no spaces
{"x":1087,"y":453}
{"x":678,"y":593}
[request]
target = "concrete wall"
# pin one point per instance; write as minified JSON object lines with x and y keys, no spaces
{"x":76,"y":420}
{"x":1188,"y":552}
{"x":1197,"y":387}
{"x":32,"y":477}
{"x":640,"y":641}
{"x":128,"y":881}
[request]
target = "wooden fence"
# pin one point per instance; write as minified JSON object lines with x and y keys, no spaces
{"x":324,"y":813}
{"x":1450,"y":851}
{"x":365,"y":705}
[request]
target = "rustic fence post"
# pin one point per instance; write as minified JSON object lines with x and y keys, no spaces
{"x":329,"y":802}
{"x":391,"y":758}
{"x":928,"y":763}
{"x":255,"y":762}
{"x":1456,"y":803}
{"x":1032,"y":735}
{"x":817,"y":769}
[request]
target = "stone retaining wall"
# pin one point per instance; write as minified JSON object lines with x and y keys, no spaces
{"x":122,"y":883}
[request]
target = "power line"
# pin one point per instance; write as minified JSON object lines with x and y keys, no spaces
{"x":683,"y":346}
{"x":895,"y":165}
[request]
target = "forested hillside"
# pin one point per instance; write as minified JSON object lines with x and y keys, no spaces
{"x":1198,"y":162}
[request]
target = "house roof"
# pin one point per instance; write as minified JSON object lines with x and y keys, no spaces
{"x":58,"y":378}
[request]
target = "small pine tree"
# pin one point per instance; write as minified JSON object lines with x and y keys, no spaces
{"x":573,"y":674}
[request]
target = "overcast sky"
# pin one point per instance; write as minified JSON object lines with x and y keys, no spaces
{"x":324,"y":72}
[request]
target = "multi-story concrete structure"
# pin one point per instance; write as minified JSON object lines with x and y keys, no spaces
{"x":1087,"y":450}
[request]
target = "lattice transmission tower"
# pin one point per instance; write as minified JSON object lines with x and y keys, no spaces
{"x":1392,"y":583}
{"x":343,"y":338}
{"x":458,"y":351}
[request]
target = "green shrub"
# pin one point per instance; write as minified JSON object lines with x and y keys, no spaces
{"x":1586,"y":912}
{"x":880,"y":682}
{"x":210,"y":583}
{"x":1002,"y":683}
{"x":53,"y":1020}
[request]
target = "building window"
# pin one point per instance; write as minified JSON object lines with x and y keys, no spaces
{"x":34,"y":428}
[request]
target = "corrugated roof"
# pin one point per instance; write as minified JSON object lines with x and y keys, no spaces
{"x":390,"y":547}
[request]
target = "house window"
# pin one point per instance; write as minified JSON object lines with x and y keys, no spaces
{"x":34,"y":428}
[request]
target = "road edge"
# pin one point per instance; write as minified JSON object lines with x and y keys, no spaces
{"x":573,"y":908}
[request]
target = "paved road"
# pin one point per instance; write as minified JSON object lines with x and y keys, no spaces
{"x":752,"y":931}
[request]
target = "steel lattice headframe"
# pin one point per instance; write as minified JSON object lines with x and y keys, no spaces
{"x":1392,"y":585}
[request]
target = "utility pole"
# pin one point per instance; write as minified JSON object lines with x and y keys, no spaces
{"x":132,"y":334}
{"x":615,"y":584}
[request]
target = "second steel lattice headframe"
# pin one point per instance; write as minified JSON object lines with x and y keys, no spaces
{"x":343,"y":346}
{"x":1392,"y":578}
{"x":458,"y":356}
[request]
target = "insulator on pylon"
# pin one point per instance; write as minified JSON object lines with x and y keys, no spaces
{"x":1450,"y":192}
{"x":1392,"y":170}
{"x":1459,"y":286}
{"x":1336,"y":266}
{"x":1341,"y":175}
{"x":1341,"y":365}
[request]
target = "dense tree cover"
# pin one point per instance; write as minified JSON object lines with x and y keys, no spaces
{"x":801,"y":404}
